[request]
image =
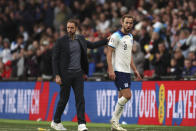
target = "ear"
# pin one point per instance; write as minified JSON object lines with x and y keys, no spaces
{"x":121,"y":21}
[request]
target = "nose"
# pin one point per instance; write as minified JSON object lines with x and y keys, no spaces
{"x":129,"y":24}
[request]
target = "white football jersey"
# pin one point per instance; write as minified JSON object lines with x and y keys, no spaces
{"x":121,"y":56}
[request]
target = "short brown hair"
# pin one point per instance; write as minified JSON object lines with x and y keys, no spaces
{"x":73,"y":21}
{"x":126,"y":16}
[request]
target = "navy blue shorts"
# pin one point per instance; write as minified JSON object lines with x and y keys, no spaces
{"x":123,"y":80}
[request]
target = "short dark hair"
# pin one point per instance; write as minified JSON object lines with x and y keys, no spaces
{"x":187,"y":59}
{"x":20,"y":36}
{"x":126,"y":16}
{"x":73,"y":21}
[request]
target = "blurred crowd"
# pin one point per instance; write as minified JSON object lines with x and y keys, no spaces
{"x":164,"y":35}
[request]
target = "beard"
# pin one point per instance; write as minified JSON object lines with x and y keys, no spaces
{"x":70,"y":33}
{"x":127,"y":30}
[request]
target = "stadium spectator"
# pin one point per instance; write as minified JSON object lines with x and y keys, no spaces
{"x":138,"y":58}
{"x":191,"y":56}
{"x":48,"y":17}
{"x":115,"y":20}
{"x":174,"y":70}
{"x":103,"y":24}
{"x":144,"y":38}
{"x":77,"y":10}
{"x":46,"y":59}
{"x":23,"y":33}
{"x":31,"y":63}
{"x":88,"y":8}
{"x":100,"y":60}
{"x":17,"y":45}
{"x":18,"y":64}
{"x":182,"y":41}
{"x":187,"y":71}
{"x":179,"y":58}
{"x":191,"y":41}
{"x":161,"y":61}
{"x":5,"y":54}
{"x":7,"y":70}
{"x":61,"y":14}
{"x":25,"y":14}
{"x":194,"y":67}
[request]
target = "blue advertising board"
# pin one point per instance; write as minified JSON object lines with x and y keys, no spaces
{"x":157,"y":102}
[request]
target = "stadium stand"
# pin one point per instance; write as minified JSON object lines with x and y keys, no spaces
{"x":165,"y":33}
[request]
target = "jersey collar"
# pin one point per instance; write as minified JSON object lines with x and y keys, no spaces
{"x":123,"y":34}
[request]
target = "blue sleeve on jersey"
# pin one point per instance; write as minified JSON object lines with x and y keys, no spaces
{"x":111,"y":46}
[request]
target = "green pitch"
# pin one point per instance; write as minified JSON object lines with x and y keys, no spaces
{"x":26,"y":125}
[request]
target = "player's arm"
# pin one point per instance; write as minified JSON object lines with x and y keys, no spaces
{"x":109,"y":61}
{"x":137,"y":74}
{"x":111,"y":47}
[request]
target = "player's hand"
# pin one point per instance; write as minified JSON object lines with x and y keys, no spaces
{"x":58,"y":80}
{"x":108,"y":38}
{"x":85,"y":77}
{"x":112,"y":75}
{"x":137,"y":74}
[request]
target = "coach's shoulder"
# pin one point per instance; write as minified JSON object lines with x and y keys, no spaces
{"x":62,"y":38}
